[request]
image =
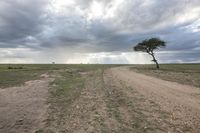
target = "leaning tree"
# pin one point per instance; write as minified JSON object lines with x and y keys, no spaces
{"x":149,"y":46}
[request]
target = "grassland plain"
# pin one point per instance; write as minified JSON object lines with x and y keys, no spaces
{"x":18,"y":74}
{"x":92,"y":98}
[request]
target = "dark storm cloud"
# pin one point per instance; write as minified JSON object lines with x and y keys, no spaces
{"x":99,"y":25}
{"x":20,"y":19}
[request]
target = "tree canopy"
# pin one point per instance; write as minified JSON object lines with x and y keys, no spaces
{"x":149,"y":46}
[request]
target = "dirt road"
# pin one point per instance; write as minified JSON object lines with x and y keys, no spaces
{"x":23,"y":108}
{"x":182,"y":102}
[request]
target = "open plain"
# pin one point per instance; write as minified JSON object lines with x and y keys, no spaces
{"x":100,"y":98}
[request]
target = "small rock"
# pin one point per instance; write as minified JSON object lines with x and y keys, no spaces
{"x":19,"y":122}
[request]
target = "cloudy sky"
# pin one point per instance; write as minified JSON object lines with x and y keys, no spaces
{"x":97,"y":31}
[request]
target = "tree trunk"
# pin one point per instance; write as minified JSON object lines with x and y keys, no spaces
{"x":154,"y":60}
{"x":157,"y":65}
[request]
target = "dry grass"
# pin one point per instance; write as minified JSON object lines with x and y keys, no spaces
{"x":188,"y":74}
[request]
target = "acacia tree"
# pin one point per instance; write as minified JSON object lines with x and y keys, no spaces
{"x":149,"y":46}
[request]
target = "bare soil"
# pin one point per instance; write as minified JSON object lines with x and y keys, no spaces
{"x":23,"y":108}
{"x":114,"y":100}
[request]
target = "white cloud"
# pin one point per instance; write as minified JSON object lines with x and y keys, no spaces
{"x":17,"y":55}
{"x":109,"y":58}
{"x":194,"y":27}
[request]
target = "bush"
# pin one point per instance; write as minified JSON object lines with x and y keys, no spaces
{"x":10,"y":67}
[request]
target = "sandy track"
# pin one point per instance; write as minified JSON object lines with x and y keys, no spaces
{"x":88,"y":112}
{"x":181,"y":101}
{"x":23,"y":108}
